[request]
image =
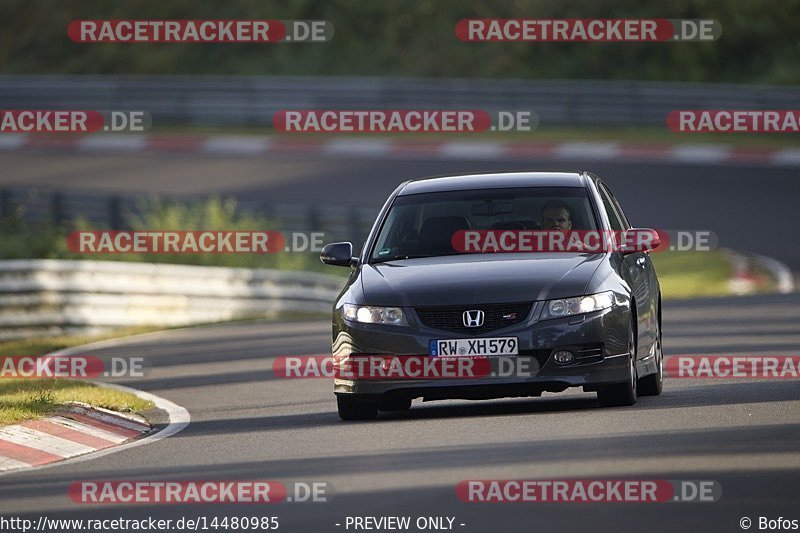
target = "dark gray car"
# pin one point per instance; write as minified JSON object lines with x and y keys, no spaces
{"x":578,"y":318}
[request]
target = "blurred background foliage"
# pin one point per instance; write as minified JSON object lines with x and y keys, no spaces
{"x":413,"y":38}
{"x":23,"y":239}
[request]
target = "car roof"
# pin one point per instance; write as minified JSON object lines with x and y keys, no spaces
{"x":494,"y":180}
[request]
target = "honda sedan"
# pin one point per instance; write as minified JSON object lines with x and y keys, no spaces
{"x":462,"y":291}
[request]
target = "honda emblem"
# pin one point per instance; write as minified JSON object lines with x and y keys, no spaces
{"x":473,"y":318}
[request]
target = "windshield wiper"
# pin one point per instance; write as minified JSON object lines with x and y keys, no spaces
{"x":401,"y":257}
{"x":398,"y":258}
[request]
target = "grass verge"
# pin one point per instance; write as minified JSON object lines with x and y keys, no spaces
{"x":693,"y":274}
{"x":26,"y":399}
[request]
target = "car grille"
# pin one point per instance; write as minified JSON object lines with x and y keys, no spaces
{"x":496,"y":316}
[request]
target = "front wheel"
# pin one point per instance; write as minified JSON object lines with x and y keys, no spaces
{"x":621,"y":394}
{"x":351,"y":408}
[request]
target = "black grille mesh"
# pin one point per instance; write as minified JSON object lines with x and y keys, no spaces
{"x":496,"y":316}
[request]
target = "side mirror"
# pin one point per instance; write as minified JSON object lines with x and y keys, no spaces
{"x":337,"y":254}
{"x":639,"y":240}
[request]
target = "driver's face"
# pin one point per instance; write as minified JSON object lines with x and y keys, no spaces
{"x":556,"y":218}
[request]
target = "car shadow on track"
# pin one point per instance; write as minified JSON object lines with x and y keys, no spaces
{"x":499,"y":407}
{"x":716,"y":393}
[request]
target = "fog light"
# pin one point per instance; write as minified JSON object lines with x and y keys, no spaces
{"x":563,"y":357}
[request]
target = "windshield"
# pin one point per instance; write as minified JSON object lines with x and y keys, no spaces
{"x":422,"y":225}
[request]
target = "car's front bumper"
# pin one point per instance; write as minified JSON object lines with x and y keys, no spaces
{"x":600,"y":338}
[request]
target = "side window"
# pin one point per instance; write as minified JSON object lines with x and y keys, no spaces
{"x":613,"y":218}
{"x":626,"y":224}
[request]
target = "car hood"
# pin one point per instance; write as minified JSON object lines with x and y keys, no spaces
{"x":468,"y":279}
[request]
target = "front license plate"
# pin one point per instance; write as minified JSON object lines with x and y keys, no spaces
{"x":468,"y":347}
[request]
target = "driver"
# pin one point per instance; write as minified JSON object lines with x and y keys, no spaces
{"x":556,"y":215}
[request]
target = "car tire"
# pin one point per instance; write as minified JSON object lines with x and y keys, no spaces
{"x":653,"y":384}
{"x":351,"y":408}
{"x":622,"y":394}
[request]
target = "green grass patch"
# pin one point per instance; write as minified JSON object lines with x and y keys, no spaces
{"x":693,"y":274}
{"x":26,"y":399}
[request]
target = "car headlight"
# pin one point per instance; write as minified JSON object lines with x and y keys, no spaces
{"x":578,"y":305}
{"x":367,"y":314}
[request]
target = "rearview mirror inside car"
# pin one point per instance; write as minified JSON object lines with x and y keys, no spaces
{"x":491,"y":209}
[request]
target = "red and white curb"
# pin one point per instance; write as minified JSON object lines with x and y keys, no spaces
{"x":73,"y":431}
{"x":83,"y":433}
{"x":255,"y":145}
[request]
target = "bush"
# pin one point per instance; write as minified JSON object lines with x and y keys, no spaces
{"x":38,"y":240}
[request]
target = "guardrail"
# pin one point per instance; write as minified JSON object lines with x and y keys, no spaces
{"x":52,"y":297}
{"x":252,"y":100}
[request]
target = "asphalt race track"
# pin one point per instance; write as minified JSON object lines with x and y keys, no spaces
{"x":248,"y":424}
